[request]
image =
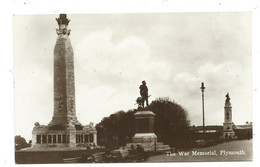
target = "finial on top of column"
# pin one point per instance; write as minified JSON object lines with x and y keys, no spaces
{"x":63,"y":24}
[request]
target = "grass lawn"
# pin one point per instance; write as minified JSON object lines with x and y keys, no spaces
{"x":48,"y":156}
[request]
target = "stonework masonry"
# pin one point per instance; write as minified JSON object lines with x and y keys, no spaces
{"x":228,"y":132}
{"x":64,"y":130}
{"x":145,"y":135}
{"x":64,"y":90}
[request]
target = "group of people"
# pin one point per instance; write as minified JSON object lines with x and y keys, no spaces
{"x":135,"y":154}
{"x":139,"y":152}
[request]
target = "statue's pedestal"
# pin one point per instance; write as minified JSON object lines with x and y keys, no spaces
{"x":144,"y":121}
{"x":144,"y":135}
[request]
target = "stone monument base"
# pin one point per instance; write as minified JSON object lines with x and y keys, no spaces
{"x":148,"y":141}
{"x":145,"y":135}
{"x":59,"y":137}
{"x":144,"y":138}
{"x":228,"y":134}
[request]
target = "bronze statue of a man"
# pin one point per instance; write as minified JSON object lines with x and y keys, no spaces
{"x":144,"y":93}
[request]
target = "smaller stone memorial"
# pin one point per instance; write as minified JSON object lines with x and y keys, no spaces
{"x":228,"y":132}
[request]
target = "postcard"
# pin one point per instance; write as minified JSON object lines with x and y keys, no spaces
{"x":133,"y":87}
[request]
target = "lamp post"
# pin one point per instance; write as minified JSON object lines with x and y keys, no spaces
{"x":202,"y":90}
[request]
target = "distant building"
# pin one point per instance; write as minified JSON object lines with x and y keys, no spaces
{"x":215,"y":132}
{"x":212,"y":132}
{"x":244,"y":131}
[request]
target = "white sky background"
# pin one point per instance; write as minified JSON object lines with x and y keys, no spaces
{"x":113,"y":53}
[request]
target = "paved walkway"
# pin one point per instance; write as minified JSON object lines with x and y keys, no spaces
{"x":227,"y":151}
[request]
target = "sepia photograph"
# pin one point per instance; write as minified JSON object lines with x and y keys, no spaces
{"x":133,"y":87}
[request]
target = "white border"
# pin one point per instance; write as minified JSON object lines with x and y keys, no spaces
{"x":9,"y":8}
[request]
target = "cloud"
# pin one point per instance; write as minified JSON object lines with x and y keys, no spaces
{"x":218,"y":79}
{"x":114,"y":71}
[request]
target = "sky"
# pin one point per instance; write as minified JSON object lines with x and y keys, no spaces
{"x":114,"y":53}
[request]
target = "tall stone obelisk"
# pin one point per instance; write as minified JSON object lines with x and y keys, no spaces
{"x":64,"y":130}
{"x":64,"y":87}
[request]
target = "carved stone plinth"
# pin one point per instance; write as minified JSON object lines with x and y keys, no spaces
{"x":144,"y":122}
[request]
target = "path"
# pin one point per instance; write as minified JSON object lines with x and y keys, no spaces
{"x":243,"y":148}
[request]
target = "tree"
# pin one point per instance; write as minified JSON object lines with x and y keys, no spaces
{"x":171,"y":125}
{"x":20,"y":143}
{"x":116,"y":130}
{"x":171,"y":122}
